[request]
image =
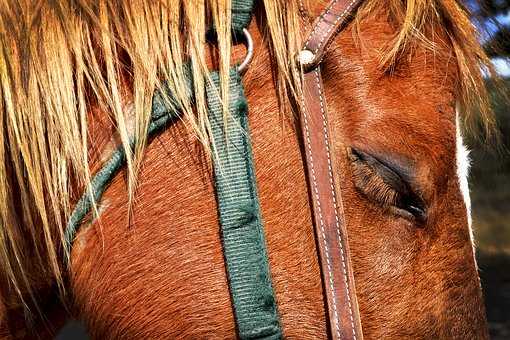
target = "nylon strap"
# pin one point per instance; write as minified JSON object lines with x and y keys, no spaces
{"x":243,"y":235}
{"x":244,"y":246}
{"x":241,"y":17}
{"x":241,"y":14}
{"x":162,"y":115}
{"x":240,"y":218}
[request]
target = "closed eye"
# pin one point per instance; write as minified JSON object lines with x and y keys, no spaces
{"x":387,"y":185}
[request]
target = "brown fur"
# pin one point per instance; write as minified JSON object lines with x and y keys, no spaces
{"x":164,"y":276}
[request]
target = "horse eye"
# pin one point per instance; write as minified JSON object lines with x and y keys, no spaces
{"x":387,"y":185}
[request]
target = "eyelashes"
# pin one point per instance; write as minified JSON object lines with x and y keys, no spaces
{"x":385,"y":185}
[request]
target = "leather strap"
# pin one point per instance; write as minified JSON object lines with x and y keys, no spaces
{"x":343,"y":311}
{"x":333,"y":19}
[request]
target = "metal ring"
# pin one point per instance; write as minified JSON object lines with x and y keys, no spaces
{"x":249,"y":52}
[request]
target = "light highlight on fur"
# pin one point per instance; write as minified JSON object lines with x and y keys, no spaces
{"x":463,"y":165}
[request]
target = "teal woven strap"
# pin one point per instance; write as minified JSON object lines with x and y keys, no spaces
{"x":239,"y":211}
{"x":243,"y":237}
{"x":163,"y":113}
{"x":241,"y":14}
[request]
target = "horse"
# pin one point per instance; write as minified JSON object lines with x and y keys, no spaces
{"x":78,"y":80}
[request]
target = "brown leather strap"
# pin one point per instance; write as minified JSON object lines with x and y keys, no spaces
{"x":333,"y":19}
{"x":343,"y":311}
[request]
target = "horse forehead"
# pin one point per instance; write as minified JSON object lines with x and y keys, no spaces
{"x":419,"y":128}
{"x":410,"y":115}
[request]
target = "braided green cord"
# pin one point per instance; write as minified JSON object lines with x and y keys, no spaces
{"x":165,"y":110}
{"x":100,"y":182}
{"x":242,"y":228}
{"x":241,"y":16}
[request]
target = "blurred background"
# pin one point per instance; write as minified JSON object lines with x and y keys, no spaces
{"x":490,"y":194}
{"x":490,"y":173}
{"x":489,"y":180}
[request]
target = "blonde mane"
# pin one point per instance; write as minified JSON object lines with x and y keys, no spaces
{"x":59,"y":59}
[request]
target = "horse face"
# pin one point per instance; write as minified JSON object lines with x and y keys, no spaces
{"x":402,"y":169}
{"x":399,"y":164}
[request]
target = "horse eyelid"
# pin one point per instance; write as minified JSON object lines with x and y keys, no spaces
{"x":387,"y":184}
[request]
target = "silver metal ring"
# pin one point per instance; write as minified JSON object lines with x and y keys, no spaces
{"x":249,"y":52}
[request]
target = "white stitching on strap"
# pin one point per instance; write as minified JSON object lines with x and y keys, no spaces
{"x":317,"y":25}
{"x":302,"y":7}
{"x":334,"y":24}
{"x":316,"y":192}
{"x":338,"y":18}
{"x":330,"y":173}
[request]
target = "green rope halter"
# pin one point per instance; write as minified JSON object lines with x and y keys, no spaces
{"x":242,"y":228}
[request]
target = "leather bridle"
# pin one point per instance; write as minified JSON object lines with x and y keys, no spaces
{"x":338,"y":279}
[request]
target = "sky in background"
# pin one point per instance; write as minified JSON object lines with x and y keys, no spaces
{"x":489,"y":27}
{"x":502,"y":64}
